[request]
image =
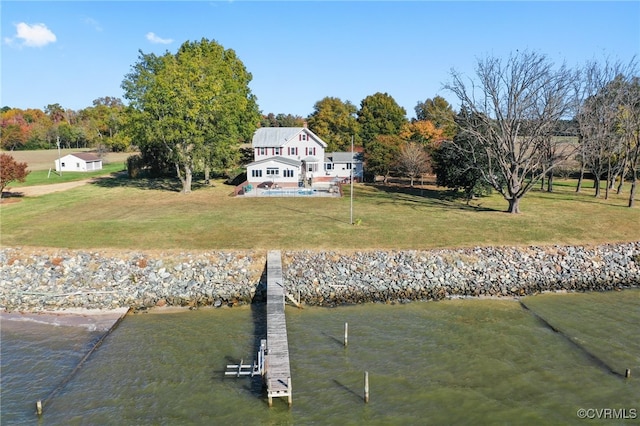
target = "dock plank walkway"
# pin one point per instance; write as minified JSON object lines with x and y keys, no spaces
{"x":278,"y":372}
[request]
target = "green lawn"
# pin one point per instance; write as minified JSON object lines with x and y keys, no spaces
{"x":46,"y":177}
{"x":141,"y":214}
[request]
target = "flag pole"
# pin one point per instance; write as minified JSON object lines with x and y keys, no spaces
{"x":352,"y":179}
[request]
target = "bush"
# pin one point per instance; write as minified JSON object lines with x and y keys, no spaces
{"x":135,"y":166}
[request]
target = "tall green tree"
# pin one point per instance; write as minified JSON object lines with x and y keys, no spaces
{"x":382,"y":155}
{"x":458,"y":165}
{"x":190,"y":107}
{"x":281,"y":120}
{"x":380,"y":114}
{"x":335,"y":122}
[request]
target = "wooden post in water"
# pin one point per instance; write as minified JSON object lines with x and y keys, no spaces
{"x":290,"y":392}
{"x":346,"y":334}
{"x":627,"y":373}
{"x":366,"y":387}
{"x":39,"y":407}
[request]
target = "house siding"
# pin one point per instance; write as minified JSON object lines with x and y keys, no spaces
{"x":73,"y":163}
{"x":297,"y":154}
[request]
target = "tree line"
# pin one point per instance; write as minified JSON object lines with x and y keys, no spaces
{"x":190,"y":112}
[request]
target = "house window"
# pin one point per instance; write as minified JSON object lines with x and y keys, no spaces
{"x":302,"y":137}
{"x":263,"y":151}
{"x":272,"y":171}
{"x":313,"y":167}
{"x":349,"y":166}
{"x":288,"y":173}
{"x":276,"y":151}
{"x":256,"y":173}
{"x":63,"y":165}
{"x":293,"y":150}
{"x":77,"y":165}
{"x":328,"y":166}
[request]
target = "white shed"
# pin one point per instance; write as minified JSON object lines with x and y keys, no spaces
{"x":79,"y":162}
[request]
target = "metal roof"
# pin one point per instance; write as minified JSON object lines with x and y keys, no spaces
{"x":278,"y":136}
{"x":344,"y":157}
{"x":288,"y":161}
{"x":86,"y":156}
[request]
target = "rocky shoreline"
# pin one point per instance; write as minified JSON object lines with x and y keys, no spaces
{"x":36,"y":280}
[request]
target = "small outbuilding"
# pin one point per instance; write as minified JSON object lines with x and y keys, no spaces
{"x":79,"y":162}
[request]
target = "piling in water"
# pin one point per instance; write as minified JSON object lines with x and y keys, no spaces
{"x":366,"y":387}
{"x":346,"y":334}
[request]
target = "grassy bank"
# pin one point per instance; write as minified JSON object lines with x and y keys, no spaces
{"x":140,"y":214}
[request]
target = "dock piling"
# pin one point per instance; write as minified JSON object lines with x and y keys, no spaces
{"x":366,"y":387}
{"x":346,"y":334}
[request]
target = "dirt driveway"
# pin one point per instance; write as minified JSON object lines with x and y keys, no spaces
{"x":12,"y":195}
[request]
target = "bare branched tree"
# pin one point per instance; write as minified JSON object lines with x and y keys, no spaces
{"x":629,"y":119}
{"x":513,"y":109}
{"x":604,"y":99}
{"x":413,"y":160}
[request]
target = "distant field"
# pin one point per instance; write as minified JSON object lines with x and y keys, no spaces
{"x":44,"y":159}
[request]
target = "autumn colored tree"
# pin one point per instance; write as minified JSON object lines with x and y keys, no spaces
{"x":335,"y":122}
{"x":55,"y":112}
{"x":439,"y":112}
{"x":15,"y":129}
{"x":10,"y":171}
{"x":103,"y":122}
{"x":423,"y":132}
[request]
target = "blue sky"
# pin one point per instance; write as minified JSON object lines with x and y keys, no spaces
{"x":73,"y":52}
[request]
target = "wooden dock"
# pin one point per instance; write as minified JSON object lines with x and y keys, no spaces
{"x":277,"y":370}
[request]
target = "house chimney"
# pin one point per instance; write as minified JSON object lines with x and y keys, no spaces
{"x":304,"y":124}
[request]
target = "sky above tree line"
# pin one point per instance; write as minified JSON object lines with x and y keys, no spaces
{"x":72,"y":52}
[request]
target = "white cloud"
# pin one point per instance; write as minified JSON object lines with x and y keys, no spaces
{"x":36,"y":35}
{"x":155,"y":39}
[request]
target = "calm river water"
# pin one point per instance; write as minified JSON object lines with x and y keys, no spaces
{"x":449,"y":362}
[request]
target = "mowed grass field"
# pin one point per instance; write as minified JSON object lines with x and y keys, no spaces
{"x":116,"y":212}
{"x":41,"y":166}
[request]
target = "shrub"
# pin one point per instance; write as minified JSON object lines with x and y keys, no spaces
{"x":135,"y":166}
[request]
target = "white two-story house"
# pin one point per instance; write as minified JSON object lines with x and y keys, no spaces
{"x":295,"y":156}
